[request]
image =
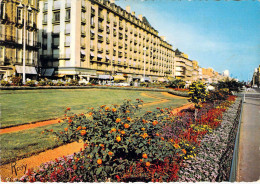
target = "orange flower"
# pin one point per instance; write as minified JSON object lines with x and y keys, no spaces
{"x":122,"y":132}
{"x":42,"y":132}
{"x":74,"y":167}
{"x":114,"y":109}
{"x":155,"y":123}
{"x":79,"y":128}
{"x":144,"y":135}
{"x":59,"y":121}
{"x":157,"y":134}
{"x":90,"y":113}
{"x":107,"y":108}
{"x":83,"y":132}
{"x":184,"y":151}
{"x":61,"y":132}
{"x":102,"y":145}
{"x":141,"y":160}
{"x":171,"y":140}
{"x":147,"y":164}
{"x":162,"y":110}
{"x":51,"y":130}
{"x":113,"y":130}
{"x":162,"y":138}
{"x":118,"y":139}
{"x":176,"y":146}
{"x":84,"y":128}
{"x":66,"y":129}
{"x":102,"y":106}
{"x":128,"y":118}
{"x":118,"y":120}
{"x":99,"y":161}
{"x":70,"y":120}
{"x":144,"y":155}
{"x":68,"y":108}
{"x":91,"y":108}
{"x":126,"y":125}
{"x":127,"y":111}
{"x":110,"y":153}
{"x":143,"y":129}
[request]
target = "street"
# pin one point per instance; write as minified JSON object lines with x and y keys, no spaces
{"x":249,"y":148}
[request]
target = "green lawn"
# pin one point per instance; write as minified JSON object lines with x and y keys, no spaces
{"x":23,"y":106}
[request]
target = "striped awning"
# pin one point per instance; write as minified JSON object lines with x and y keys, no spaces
{"x":28,"y":69}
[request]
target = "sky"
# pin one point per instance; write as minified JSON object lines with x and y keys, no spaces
{"x":223,"y":35}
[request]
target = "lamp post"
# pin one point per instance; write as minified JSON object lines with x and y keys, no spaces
{"x":24,"y":35}
{"x":144,"y":49}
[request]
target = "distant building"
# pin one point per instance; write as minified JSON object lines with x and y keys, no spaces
{"x":256,"y":77}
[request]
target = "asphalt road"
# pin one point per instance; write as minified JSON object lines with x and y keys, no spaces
{"x":249,"y":142}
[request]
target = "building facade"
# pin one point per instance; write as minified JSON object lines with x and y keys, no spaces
{"x":98,"y":39}
{"x":13,"y":16}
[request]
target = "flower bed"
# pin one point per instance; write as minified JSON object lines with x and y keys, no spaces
{"x":214,"y":146}
{"x":119,"y":146}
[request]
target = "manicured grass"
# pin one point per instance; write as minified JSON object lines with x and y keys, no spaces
{"x":50,"y":104}
{"x":19,"y":107}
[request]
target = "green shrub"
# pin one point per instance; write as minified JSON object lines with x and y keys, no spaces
{"x":50,"y":83}
{"x":42,"y":83}
{"x":30,"y":83}
{"x":5,"y":83}
{"x":59,"y":83}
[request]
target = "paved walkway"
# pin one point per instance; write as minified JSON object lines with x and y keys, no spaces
{"x":249,"y":148}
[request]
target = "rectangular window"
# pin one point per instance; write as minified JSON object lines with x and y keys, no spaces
{"x":45,"y":17}
{"x":55,"y":53}
{"x":1,"y":52}
{"x":45,"y":8}
{"x":44,"y":29}
{"x":19,"y":14}
{"x":92,"y":20}
{"x":68,"y":14}
{"x":56,"y":16}
{"x":2,"y":11}
{"x":19,"y":36}
{"x":56,"y":41}
{"x":29,"y":18}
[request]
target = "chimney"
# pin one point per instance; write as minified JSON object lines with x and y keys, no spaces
{"x":112,"y":1}
{"x":140,"y":17}
{"x":133,"y":13}
{"x":128,"y":9}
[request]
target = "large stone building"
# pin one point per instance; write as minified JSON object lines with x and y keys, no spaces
{"x":98,"y":39}
{"x":11,"y":37}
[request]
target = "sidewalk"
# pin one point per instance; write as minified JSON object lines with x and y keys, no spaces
{"x":249,"y":148}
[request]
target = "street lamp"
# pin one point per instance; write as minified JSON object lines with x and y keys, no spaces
{"x":144,"y":49}
{"x":24,"y":34}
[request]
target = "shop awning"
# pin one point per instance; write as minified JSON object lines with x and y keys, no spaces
{"x":104,"y":77}
{"x":28,"y":69}
{"x":119,"y":77}
{"x":47,"y":72}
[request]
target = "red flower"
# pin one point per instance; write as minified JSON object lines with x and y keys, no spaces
{"x":68,"y":108}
